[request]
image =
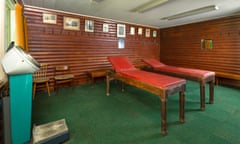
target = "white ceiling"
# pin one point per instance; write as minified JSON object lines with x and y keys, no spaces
{"x":120,"y":10}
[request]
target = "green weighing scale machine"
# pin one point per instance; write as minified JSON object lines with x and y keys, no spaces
{"x":20,"y":66}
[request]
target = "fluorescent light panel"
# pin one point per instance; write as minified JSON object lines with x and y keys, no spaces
{"x":148,"y":6}
{"x":192,"y":12}
{"x":96,"y":1}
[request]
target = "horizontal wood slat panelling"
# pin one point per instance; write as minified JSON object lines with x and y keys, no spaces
{"x":84,"y":51}
{"x":180,"y":45}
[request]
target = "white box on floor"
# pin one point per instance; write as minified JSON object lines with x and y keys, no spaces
{"x":51,"y":133}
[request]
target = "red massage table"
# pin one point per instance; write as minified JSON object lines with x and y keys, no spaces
{"x":161,"y":85}
{"x":201,"y":76}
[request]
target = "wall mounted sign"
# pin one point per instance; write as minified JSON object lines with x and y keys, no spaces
{"x":71,"y":23}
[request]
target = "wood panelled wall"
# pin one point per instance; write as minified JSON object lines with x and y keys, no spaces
{"x":180,"y":45}
{"x":84,"y":51}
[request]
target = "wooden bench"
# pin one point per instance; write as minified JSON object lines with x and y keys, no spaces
{"x":226,"y":75}
{"x":97,"y":74}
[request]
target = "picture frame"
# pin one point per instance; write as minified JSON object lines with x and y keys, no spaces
{"x":105,"y":27}
{"x":89,"y":26}
{"x":71,"y":23}
{"x":140,"y":31}
{"x":132,"y":30}
{"x":121,"y":43}
{"x":206,"y":44}
{"x":154,"y":33}
{"x":147,"y":33}
{"x":49,"y":18}
{"x":121,"y":30}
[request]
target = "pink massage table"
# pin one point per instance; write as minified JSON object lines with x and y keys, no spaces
{"x":161,"y":85}
{"x":201,"y":76}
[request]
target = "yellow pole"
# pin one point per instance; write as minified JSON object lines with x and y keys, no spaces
{"x":19,"y":35}
{"x":26,"y":34}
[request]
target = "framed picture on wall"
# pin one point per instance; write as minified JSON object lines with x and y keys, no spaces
{"x":132,"y":30}
{"x":105,"y":27}
{"x":89,"y":25}
{"x":206,"y":43}
{"x":140,"y":30}
{"x":121,"y":43}
{"x":154,"y":33}
{"x":49,"y":18}
{"x":121,"y":30}
{"x":71,"y":23}
{"x":147,"y":34}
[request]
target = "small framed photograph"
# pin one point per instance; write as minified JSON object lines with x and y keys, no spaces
{"x":206,"y":43}
{"x":121,"y":30}
{"x":140,"y":30}
{"x":49,"y":18}
{"x":147,"y":34}
{"x":121,"y":43}
{"x":105,"y":27}
{"x":89,"y":25}
{"x":154,"y":33}
{"x":132,"y":30}
{"x":71,"y":23}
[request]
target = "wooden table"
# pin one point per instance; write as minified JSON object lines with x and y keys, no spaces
{"x":97,"y":74}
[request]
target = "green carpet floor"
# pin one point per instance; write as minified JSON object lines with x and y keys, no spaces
{"x":133,"y":116}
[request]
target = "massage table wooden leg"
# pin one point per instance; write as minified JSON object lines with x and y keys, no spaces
{"x":122,"y":87}
{"x":202,"y":96}
{"x":181,"y":106}
{"x":164,"y":112}
{"x":164,"y":117}
{"x":107,"y":85}
{"x":211,"y":90}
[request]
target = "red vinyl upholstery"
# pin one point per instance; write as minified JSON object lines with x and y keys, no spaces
{"x":123,"y":66}
{"x":161,"y":81}
{"x":179,"y":70}
{"x":153,"y":62}
{"x":201,"y":76}
{"x":121,"y":63}
{"x":158,"y":84}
